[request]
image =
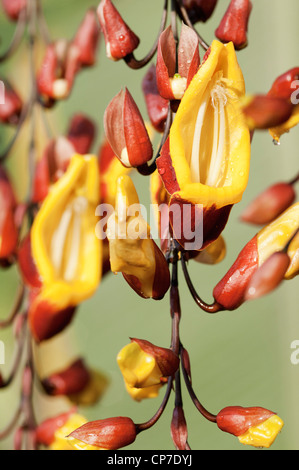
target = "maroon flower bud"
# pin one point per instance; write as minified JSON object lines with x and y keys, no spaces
{"x":59,"y":68}
{"x":269,"y":276}
{"x":269,"y":204}
{"x":87,"y":39}
{"x":199,"y":10}
{"x":283,"y":86}
{"x":233,"y":26}
{"x":46,"y":320}
{"x":172,"y":85}
{"x":264,"y":111}
{"x":81,"y":133}
{"x":167,"y":361}
{"x":119,"y":38}
{"x":8,"y":229}
{"x":179,"y":431}
{"x":11,"y":107}
{"x":109,"y":434}
{"x":157,"y":107}
{"x":68,"y":382}
{"x":126,"y":132}
{"x":13,"y":8}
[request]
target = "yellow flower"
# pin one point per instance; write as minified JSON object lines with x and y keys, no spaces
{"x":65,"y":249}
{"x":132,"y":251}
{"x":145,"y":368}
{"x":264,"y":434}
{"x":139,"y":368}
{"x":209,"y":143}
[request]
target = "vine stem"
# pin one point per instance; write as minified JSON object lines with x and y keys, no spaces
{"x":294,"y":181}
{"x":130,"y":59}
{"x":205,"y":413}
{"x":17,"y":38}
{"x":188,"y":22}
{"x":213,"y":308}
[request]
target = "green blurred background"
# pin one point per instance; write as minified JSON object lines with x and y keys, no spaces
{"x":238,"y":358}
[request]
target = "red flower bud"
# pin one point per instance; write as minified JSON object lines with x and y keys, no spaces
{"x":60,"y":65}
{"x":87,"y":39}
{"x":269,"y":276}
{"x":237,"y":420}
{"x":8,"y":230}
{"x":119,"y":38}
{"x":13,"y":8}
{"x":27,"y":265}
{"x":167,"y":361}
{"x":179,"y":431}
{"x":233,"y":26}
{"x":45,"y":320}
{"x":126,"y":131}
{"x":45,"y":432}
{"x":172,"y":86}
{"x":109,"y":434}
{"x":70,"y":381}
{"x":230,"y":291}
{"x":11,"y":107}
{"x":283,"y":86}
{"x":81,"y":133}
{"x":269,"y":204}
{"x":157,"y":107}
{"x":199,"y":10}
{"x":264,"y":111}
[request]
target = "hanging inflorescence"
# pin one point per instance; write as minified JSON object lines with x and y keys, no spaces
{"x":205,"y":122}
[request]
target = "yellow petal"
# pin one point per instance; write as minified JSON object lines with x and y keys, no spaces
{"x":264,"y":434}
{"x":277,"y":132}
{"x":138,"y":368}
{"x":65,"y":248}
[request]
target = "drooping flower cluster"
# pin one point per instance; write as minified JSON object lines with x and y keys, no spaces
{"x":206,"y":121}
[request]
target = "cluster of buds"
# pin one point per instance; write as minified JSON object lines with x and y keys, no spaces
{"x":63,"y":59}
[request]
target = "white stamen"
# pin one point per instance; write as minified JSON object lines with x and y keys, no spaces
{"x":72,"y":264}
{"x":194,"y":163}
{"x":58,"y":239}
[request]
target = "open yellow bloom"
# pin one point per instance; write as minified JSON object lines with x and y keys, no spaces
{"x":65,"y":249}
{"x":264,"y":434}
{"x":209,"y":143}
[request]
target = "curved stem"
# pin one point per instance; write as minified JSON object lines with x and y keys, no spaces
{"x":186,"y":18}
{"x":10,"y":427}
{"x":17,"y":38}
{"x":130,"y":59}
{"x":147,"y":170}
{"x":16,"y":308}
{"x":18,"y":356}
{"x":214,"y":308}
{"x":205,"y":413}
{"x":150,"y":423}
{"x":42,"y":24}
{"x":295,"y":180}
